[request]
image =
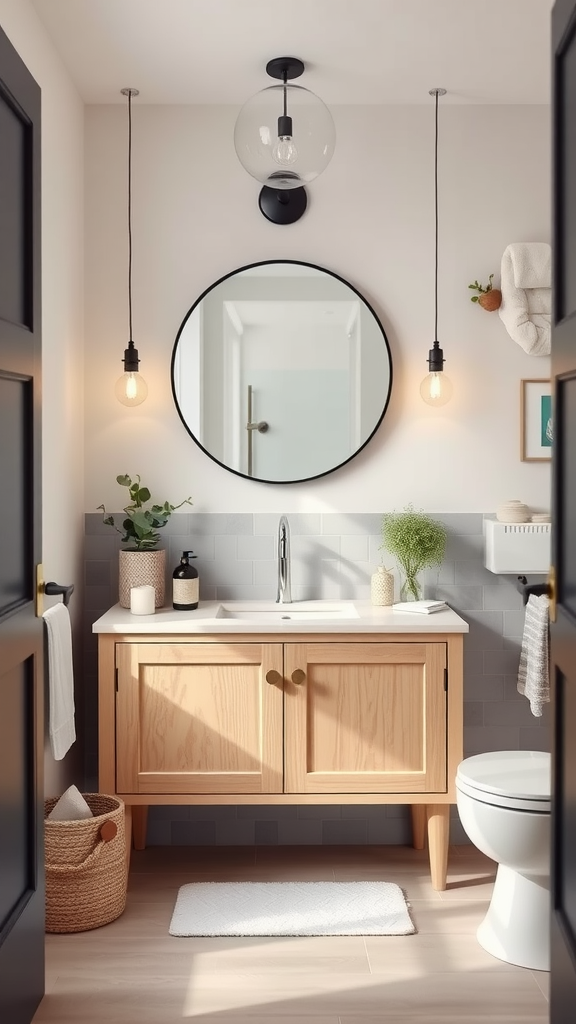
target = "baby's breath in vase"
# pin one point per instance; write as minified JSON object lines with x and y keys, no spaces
{"x":411,"y":589}
{"x":417,"y":541}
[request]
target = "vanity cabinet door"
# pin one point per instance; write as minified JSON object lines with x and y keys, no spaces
{"x":199,"y":718}
{"x":365,"y":718}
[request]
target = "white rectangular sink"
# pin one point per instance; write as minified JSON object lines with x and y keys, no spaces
{"x":302,"y":611}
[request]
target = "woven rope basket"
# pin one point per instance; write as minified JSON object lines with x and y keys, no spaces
{"x":86,"y":873}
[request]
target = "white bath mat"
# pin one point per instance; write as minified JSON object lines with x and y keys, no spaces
{"x":291,"y":908}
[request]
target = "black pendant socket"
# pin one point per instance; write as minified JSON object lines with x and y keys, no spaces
{"x":282,"y":206}
{"x":131,"y":359}
{"x":285,"y":125}
{"x":435,"y":359}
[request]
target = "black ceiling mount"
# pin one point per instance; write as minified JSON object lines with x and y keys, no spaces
{"x":282,"y":206}
{"x":291,"y":67}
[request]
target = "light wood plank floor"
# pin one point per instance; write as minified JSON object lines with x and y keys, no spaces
{"x":133,"y":972}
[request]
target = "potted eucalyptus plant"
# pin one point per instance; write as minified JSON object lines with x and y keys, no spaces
{"x":142,"y":562}
{"x":417,"y":541}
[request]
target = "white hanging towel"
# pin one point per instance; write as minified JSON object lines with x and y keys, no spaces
{"x":61,"y":725}
{"x":526,"y":307}
{"x":533,"y":671}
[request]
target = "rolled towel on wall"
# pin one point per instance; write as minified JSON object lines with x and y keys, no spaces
{"x":525,"y":310}
{"x":61,"y":725}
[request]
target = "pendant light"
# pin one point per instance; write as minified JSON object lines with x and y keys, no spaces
{"x":436,"y":388}
{"x":284,"y":137}
{"x":130,"y":388}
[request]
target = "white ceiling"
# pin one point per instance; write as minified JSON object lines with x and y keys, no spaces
{"x":355,"y":51}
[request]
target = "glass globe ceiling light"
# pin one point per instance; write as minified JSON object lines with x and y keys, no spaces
{"x":436,"y":388}
{"x":284,"y":137}
{"x":130,"y":388}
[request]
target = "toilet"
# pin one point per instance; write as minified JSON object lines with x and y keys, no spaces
{"x":503,"y":800}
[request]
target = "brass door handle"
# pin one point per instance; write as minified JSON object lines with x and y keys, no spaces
{"x":273,"y":677}
{"x":298,"y":676}
{"x":552,"y":592}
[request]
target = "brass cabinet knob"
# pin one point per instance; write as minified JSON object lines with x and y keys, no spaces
{"x":298,"y":676}
{"x":273,"y":677}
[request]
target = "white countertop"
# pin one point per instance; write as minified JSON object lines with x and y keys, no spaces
{"x":364,"y":618}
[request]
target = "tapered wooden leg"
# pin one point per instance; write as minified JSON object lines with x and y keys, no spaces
{"x":418,"y":826}
{"x":128,"y":833}
{"x":139,"y":825}
{"x":438,"y":816}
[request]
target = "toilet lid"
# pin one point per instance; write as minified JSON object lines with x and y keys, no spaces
{"x":509,"y":778}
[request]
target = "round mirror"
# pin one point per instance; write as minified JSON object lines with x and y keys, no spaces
{"x":281,"y":371}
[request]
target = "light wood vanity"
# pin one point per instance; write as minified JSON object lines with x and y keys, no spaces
{"x":199,"y":710}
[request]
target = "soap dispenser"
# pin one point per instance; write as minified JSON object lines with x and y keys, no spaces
{"x":185,"y":584}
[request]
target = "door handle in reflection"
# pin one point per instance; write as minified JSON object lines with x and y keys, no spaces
{"x":298,"y":676}
{"x":273,"y":677}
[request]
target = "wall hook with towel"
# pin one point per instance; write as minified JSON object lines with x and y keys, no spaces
{"x":526,"y":588}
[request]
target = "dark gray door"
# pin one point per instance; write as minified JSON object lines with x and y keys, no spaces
{"x":563,"y":630}
{"x":21,"y":632}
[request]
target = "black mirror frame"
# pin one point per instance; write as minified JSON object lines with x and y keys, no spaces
{"x":233,"y":273}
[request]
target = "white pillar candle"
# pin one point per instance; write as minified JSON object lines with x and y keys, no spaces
{"x":142,"y":600}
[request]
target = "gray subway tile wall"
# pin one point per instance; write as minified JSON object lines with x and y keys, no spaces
{"x":333,"y":556}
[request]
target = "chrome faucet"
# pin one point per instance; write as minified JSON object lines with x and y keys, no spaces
{"x":284,"y":595}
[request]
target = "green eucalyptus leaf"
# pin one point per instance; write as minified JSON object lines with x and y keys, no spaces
{"x":140,"y":525}
{"x":474,"y":298}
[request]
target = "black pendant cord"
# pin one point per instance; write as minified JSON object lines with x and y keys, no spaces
{"x":435,"y":354}
{"x":285,"y":92}
{"x":436,"y":342}
{"x":130,"y":339}
{"x":131,"y":359}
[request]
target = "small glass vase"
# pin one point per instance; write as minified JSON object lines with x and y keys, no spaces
{"x":411,"y":589}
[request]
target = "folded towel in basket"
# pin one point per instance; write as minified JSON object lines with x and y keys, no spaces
{"x":533,"y":671}
{"x":71,"y":807}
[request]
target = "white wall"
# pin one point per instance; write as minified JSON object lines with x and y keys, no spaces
{"x":371,"y":220}
{"x":62,"y":324}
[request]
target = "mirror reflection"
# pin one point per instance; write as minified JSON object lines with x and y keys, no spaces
{"x":281,"y":371}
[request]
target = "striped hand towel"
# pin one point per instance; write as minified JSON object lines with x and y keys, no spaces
{"x":533,"y":671}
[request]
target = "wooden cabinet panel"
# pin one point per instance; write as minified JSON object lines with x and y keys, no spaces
{"x":365,"y":717}
{"x":199,"y":718}
{"x":268,"y":721}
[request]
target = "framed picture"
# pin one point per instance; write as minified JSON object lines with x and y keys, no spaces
{"x":536,"y":426}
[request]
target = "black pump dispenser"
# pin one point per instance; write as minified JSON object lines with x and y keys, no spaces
{"x":185,"y":584}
